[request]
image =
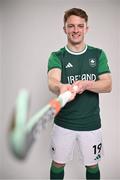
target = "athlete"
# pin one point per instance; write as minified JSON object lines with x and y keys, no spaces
{"x":84,"y":66}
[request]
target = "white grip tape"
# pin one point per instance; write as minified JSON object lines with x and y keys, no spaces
{"x":65,"y":97}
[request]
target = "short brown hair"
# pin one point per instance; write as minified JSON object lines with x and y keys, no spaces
{"x":77,"y":12}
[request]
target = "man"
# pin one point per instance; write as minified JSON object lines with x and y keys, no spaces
{"x":78,"y":64}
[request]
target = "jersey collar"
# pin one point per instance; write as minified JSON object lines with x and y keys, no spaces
{"x":76,"y":53}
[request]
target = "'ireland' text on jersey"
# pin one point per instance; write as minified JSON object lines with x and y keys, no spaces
{"x":88,"y":77}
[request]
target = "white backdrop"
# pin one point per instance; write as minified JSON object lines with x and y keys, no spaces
{"x":0,"y":91}
{"x":31,"y":29}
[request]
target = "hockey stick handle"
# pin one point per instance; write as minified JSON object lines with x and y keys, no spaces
{"x":64,"y":98}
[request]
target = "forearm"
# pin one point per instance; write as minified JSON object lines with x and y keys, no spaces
{"x":100,"y":86}
{"x":54,"y":85}
{"x":57,"y":87}
{"x":103,"y":85}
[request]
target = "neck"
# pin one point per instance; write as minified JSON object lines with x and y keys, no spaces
{"x":77,"y":47}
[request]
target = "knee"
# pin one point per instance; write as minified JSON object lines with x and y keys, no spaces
{"x":92,"y":169}
{"x":57,"y":165}
{"x":57,"y":171}
{"x":92,"y":166}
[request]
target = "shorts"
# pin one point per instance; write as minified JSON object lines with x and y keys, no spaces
{"x":64,"y":140}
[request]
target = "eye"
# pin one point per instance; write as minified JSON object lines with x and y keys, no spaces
{"x":70,"y":25}
{"x":81,"y":25}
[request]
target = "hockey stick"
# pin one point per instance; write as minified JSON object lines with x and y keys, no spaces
{"x":23,"y":133}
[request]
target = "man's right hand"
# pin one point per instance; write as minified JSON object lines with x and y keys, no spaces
{"x":68,"y":87}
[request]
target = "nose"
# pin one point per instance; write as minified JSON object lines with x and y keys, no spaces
{"x":76,"y":29}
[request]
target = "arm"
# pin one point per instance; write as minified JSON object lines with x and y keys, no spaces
{"x":104,"y":82}
{"x":55,"y":85}
{"x":54,"y":78}
{"x":103,"y":85}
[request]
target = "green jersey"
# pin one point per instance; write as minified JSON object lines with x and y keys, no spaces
{"x":83,"y":113}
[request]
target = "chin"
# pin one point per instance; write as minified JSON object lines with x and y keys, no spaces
{"x":75,"y":42}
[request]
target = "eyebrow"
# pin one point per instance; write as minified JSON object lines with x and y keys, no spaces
{"x":82,"y":24}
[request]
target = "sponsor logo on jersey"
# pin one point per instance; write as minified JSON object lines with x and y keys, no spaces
{"x":98,"y":157}
{"x":69,"y":65}
{"x":92,"y":62}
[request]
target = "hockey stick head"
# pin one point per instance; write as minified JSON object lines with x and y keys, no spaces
{"x":17,"y":133}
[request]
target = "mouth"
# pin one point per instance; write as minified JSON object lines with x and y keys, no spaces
{"x":75,"y":36}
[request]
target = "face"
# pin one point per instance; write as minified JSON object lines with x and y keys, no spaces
{"x":75,"y":28}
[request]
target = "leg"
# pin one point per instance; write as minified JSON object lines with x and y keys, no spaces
{"x":90,"y":145}
{"x":62,"y":146}
{"x":93,"y":172}
{"x":57,"y":171}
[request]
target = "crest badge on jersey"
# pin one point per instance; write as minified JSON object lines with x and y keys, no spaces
{"x":92,"y":62}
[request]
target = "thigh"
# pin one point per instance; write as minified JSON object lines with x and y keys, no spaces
{"x":62,"y":144}
{"x":90,"y":145}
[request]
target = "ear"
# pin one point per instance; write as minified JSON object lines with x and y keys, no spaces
{"x":87,"y":29}
{"x":64,"y":29}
